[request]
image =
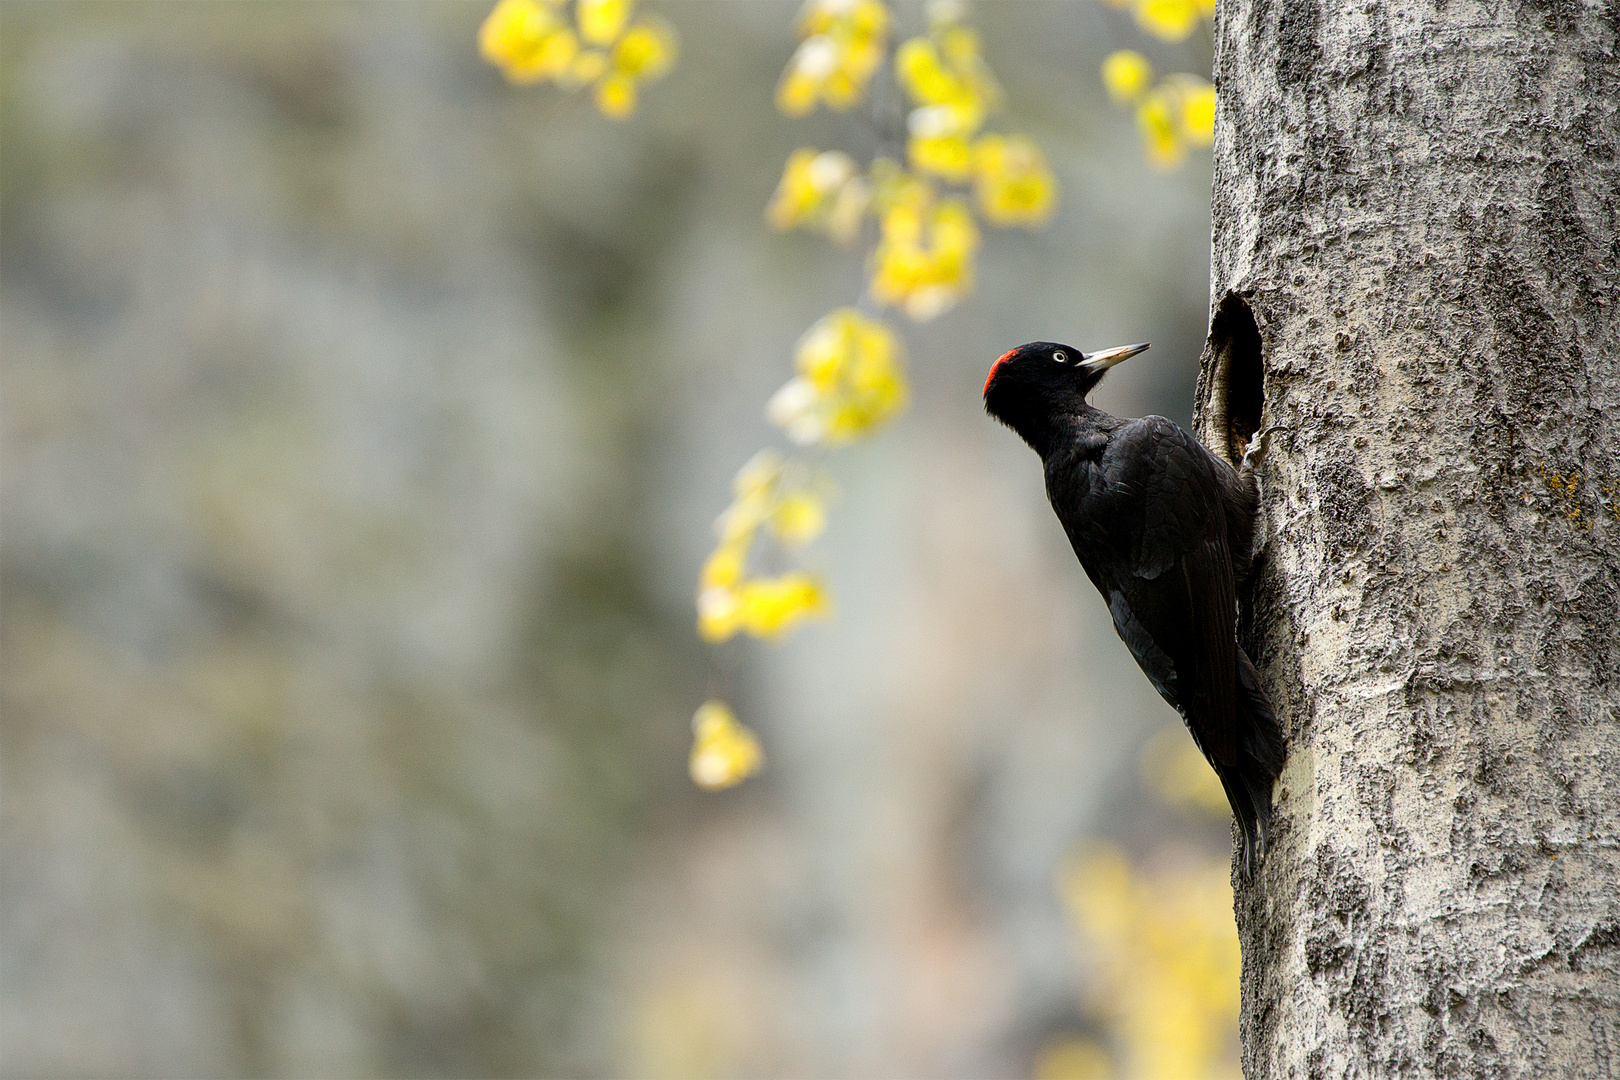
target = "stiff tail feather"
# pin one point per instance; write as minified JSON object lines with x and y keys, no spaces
{"x":1260,"y":755}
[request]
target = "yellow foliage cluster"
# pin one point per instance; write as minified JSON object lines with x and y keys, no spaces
{"x":788,"y":500}
{"x":850,"y":370}
{"x":1166,"y":956}
{"x":1173,"y":115}
{"x":841,"y":45}
{"x":850,"y":381}
{"x":953,"y":92}
{"x":923,"y":263}
{"x":1013,"y":183}
{"x":534,"y":40}
{"x":822,"y":191}
{"x":1166,"y":962}
{"x":1179,"y":111}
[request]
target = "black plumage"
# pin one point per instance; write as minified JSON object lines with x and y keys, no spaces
{"x":1165,"y":530}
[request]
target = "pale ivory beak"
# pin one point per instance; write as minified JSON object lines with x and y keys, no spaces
{"x":1107,"y":358}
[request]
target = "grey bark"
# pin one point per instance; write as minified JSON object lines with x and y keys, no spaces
{"x":1415,"y":263}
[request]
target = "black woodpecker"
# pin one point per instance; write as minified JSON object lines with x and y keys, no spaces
{"x":1164,"y":529}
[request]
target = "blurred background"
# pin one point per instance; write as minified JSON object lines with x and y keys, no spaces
{"x":364,"y":421}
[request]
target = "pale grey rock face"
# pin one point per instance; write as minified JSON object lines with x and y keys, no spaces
{"x":1415,"y":204}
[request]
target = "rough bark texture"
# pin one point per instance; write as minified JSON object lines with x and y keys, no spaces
{"x":1415,"y":263}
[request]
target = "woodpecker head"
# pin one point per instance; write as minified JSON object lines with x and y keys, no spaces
{"x":1031,"y":385}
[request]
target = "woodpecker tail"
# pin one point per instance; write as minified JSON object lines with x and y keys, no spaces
{"x":1260,"y":755}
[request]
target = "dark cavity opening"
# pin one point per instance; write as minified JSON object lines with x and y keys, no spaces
{"x":1239,"y":390}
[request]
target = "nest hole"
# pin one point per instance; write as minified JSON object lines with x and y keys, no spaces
{"x":1239,"y":395}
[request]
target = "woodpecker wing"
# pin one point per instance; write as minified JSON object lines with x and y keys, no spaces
{"x":1170,"y":587}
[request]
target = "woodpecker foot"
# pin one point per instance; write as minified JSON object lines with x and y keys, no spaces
{"x":1257,"y":444}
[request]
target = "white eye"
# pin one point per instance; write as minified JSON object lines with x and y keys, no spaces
{"x":1060,"y":356}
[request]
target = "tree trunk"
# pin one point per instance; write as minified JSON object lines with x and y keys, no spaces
{"x":1415,"y":263}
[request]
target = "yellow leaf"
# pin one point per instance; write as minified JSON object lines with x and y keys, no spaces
{"x":1126,"y":74}
{"x":1158,"y":118}
{"x":513,"y":31}
{"x":924,"y":262}
{"x":1171,"y":20}
{"x":646,"y":50}
{"x":601,"y":20}
{"x":528,"y":41}
{"x":724,"y":753}
{"x":724,"y":567}
{"x":1015,"y":186}
{"x":1198,"y":110}
{"x":946,"y":156}
{"x":773,"y":606}
{"x":616,"y":96}
{"x":719,"y":613}
{"x":954,"y":233}
{"x":830,"y":171}
{"x":798,"y":518}
{"x":552,"y":60}
{"x":869,"y":19}
{"x":824,"y":348}
{"x":752,"y":490}
{"x":796,"y":93}
{"x":840,"y":91}
{"x":923,"y":74}
{"x":796,"y":198}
